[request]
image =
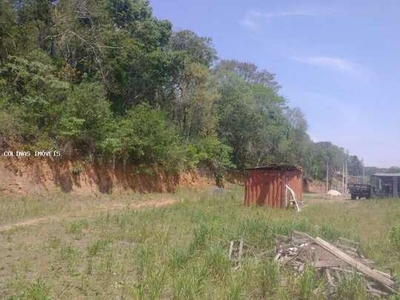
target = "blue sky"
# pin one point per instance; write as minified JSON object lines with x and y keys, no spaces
{"x":338,"y":61}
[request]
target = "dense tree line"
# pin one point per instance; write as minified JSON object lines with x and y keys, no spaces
{"x":106,"y":79}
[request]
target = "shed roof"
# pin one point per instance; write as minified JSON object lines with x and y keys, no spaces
{"x":278,"y":168}
{"x":387,"y":175}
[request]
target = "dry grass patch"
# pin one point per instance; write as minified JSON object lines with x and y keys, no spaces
{"x":181,"y":251}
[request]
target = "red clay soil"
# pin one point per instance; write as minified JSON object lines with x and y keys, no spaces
{"x":316,"y":186}
{"x":37,"y":175}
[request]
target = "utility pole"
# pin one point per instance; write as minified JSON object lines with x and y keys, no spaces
{"x":363,"y":174}
{"x":343,"y":188}
{"x":327,"y":176}
{"x":346,"y":182}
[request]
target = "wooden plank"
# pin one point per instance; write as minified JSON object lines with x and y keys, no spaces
{"x":377,"y":292}
{"x":240,"y":249}
{"x":330,"y":278}
{"x":383,"y":273}
{"x":230,"y":250}
{"x":367,"y":261}
{"x":302,"y":234}
{"x":386,"y":282}
{"x":328,"y":264}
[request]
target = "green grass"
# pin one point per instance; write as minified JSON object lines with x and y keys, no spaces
{"x":181,"y":251}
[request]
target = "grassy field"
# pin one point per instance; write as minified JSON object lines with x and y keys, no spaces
{"x":179,"y":251}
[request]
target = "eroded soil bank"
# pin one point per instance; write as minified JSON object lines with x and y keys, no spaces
{"x":41,"y":175}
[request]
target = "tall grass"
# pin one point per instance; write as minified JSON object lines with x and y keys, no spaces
{"x":181,"y":251}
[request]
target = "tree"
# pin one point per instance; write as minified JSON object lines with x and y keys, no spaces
{"x":86,"y":113}
{"x":125,"y":13}
{"x":251,"y":120}
{"x":331,"y":156}
{"x":197,"y":49}
{"x":355,"y":166}
{"x":33,"y":93}
{"x":8,"y":30}
{"x":249,"y":72}
{"x":145,"y":135}
{"x":105,"y":78}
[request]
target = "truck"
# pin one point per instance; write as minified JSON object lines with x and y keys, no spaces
{"x":359,"y":190}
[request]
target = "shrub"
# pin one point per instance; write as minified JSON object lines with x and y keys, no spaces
{"x":145,"y":135}
{"x":209,"y":149}
{"x":77,"y":170}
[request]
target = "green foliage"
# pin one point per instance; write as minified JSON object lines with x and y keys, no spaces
{"x":77,"y":170}
{"x":146,"y":134}
{"x":126,"y":12}
{"x":33,"y":95}
{"x":107,"y":78}
{"x":251,"y":120}
{"x":78,"y":226}
{"x":38,"y":291}
{"x":351,"y":286}
{"x":269,"y":277}
{"x":199,"y":241}
{"x":85,"y":115}
{"x":98,"y":246}
{"x":307,"y":283}
{"x":197,"y":49}
{"x":209,"y":149}
{"x":355,"y":166}
{"x":249,"y":73}
{"x":8,"y":126}
{"x":394,"y":237}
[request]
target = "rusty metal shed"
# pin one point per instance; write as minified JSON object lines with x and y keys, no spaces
{"x":267,"y":185}
{"x":385,"y":185}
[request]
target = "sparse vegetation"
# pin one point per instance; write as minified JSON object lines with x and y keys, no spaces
{"x":77,"y":170}
{"x":180,"y":251}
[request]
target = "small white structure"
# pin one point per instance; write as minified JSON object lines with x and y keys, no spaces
{"x":334,"y":193}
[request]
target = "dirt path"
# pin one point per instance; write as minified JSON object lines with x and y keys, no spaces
{"x":87,"y":212}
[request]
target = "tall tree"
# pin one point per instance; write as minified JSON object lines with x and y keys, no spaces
{"x":249,"y":72}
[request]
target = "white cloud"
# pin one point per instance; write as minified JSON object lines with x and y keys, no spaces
{"x":338,"y":64}
{"x":252,"y":17}
{"x":334,"y":63}
{"x":294,"y":13}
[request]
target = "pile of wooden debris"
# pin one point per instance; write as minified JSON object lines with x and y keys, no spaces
{"x":331,"y":261}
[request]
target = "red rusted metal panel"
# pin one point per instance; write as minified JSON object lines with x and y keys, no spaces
{"x":266,"y":185}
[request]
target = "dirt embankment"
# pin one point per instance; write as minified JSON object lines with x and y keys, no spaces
{"x":316,"y":186}
{"x":38,"y":175}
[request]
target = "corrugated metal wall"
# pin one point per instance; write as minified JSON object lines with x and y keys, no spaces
{"x":267,"y":187}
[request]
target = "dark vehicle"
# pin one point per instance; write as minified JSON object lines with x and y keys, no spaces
{"x":358,"y":190}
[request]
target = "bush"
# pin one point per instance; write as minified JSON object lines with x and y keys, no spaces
{"x":77,"y":170}
{"x":145,"y":135}
{"x":86,"y":114}
{"x":209,"y":149}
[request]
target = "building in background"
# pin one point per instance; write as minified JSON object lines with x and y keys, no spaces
{"x":385,"y":185}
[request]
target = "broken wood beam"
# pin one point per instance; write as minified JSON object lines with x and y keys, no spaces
{"x":386,"y":282}
{"x":302,"y":234}
{"x":231,"y":250}
{"x":327,"y":264}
